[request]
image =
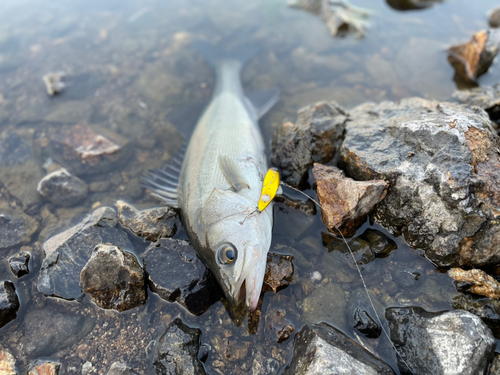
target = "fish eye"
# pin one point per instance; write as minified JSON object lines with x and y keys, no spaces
{"x":227,"y":253}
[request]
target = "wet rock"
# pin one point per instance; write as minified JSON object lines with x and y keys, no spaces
{"x":488,"y":310}
{"x":177,"y":274}
{"x":361,"y":249}
{"x":152,"y":224}
{"x":16,"y":229}
{"x":455,"y":342}
{"x":322,"y":349}
{"x":67,"y":253}
{"x":40,"y":367}
{"x":19,"y":264}
{"x":70,"y":112}
{"x":494,"y":17}
{"x":474,"y":58}
{"x":279,"y":272}
{"x":476,"y":281}
{"x":264,"y":365}
{"x":13,"y":150}
{"x":495,"y":365}
{"x":177,"y":350}
{"x":380,"y":244}
{"x":346,"y":203}
{"x":325,"y":302}
{"x":443,"y":168}
{"x":7,"y":363}
{"x":114,"y":279}
{"x":360,"y":314}
{"x":49,"y":330}
{"x":83,"y":150}
{"x":488,"y":98}
{"x":54,"y":83}
{"x":9,"y":303}
{"x":314,"y":138}
{"x":62,"y":188}
{"x":411,"y":4}
{"x":120,"y":368}
{"x":278,"y":326}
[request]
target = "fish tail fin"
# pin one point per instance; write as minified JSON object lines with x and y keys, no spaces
{"x":214,"y":54}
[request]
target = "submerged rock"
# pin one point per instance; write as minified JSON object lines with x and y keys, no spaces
{"x":322,"y":349}
{"x":13,"y":150}
{"x":278,"y":327}
{"x":177,"y":350}
{"x":120,"y":368}
{"x":9,"y":303}
{"x":442,"y":163}
{"x":67,"y":253}
{"x":7,"y":363}
{"x":19,"y":264}
{"x":411,"y":4}
{"x":477,"y":281}
{"x":314,"y":138}
{"x":346,"y":203}
{"x":62,"y":188}
{"x":114,"y":279}
{"x":177,"y":274}
{"x":41,"y":367}
{"x":494,"y":17}
{"x":279,"y":272}
{"x":455,"y":342}
{"x":264,"y":365}
{"x":488,"y":98}
{"x":360,"y":314}
{"x":152,"y":224}
{"x":380,"y":244}
{"x":474,"y":58}
{"x":54,"y":83}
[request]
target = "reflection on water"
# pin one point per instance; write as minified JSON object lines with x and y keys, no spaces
{"x":127,"y":65}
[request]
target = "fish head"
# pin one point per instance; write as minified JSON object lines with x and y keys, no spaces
{"x":239,"y":237}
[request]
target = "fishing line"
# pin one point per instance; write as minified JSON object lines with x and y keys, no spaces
{"x":360,"y":275}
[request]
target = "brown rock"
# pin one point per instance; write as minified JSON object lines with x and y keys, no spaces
{"x":478,"y":281}
{"x":7,"y":363}
{"x":279,"y":325}
{"x":44,"y":368}
{"x":279,"y":272}
{"x":346,"y":202}
{"x":474,"y":58}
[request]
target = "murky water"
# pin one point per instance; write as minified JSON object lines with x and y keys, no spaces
{"x":128,"y":64}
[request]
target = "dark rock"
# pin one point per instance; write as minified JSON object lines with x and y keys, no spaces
{"x":495,"y":365}
{"x":67,"y":253}
{"x":488,"y":98}
{"x":177,"y":274}
{"x":114,"y":279}
{"x":380,"y":244}
{"x":474,"y":58}
{"x":444,"y":172}
{"x":16,"y":229}
{"x":360,"y":314}
{"x":488,"y":310}
{"x":314,"y":138}
{"x":40,"y":367}
{"x":494,"y":17}
{"x":46,"y":331}
{"x":264,"y":365}
{"x":13,"y":150}
{"x":54,"y":83}
{"x":9,"y":303}
{"x":7,"y":362}
{"x":62,"y":188}
{"x":152,"y":224}
{"x":279,"y":272}
{"x":322,"y":349}
{"x":361,"y":249}
{"x":177,"y":351}
{"x":278,"y":327}
{"x":411,"y":4}
{"x":345,"y":203}
{"x":19,"y":264}
{"x":120,"y":368}
{"x":455,"y":342}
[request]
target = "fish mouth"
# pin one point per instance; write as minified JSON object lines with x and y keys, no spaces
{"x":249,"y":286}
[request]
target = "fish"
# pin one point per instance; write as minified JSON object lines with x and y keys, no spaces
{"x":216,"y":185}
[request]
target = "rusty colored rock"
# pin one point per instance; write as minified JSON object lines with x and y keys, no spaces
{"x":279,"y":272}
{"x":44,"y":368}
{"x":474,"y":58}
{"x":7,"y":363}
{"x":478,"y":281}
{"x":346,"y":202}
{"x":280,"y":326}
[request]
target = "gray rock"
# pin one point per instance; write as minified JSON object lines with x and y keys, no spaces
{"x":442,"y":163}
{"x":54,"y":82}
{"x":19,"y":264}
{"x":488,"y":98}
{"x":62,"y":188}
{"x":9,"y":303}
{"x":314,"y":138}
{"x":42,"y":367}
{"x":114,"y":279}
{"x":152,"y":224}
{"x":176,"y":274}
{"x":264,"y":365}
{"x":13,"y":150}
{"x":455,"y":342}
{"x":120,"y":368}
{"x":177,"y":351}
{"x":322,"y":349}
{"x":495,"y":365}
{"x":16,"y":229}
{"x":67,"y":253}
{"x":46,"y":331}
{"x":487,"y":309}
{"x":494,"y":17}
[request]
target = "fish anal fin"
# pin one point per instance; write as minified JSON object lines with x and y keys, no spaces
{"x":230,"y":170}
{"x":263,"y":100}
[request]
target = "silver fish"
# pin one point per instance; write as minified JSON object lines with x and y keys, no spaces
{"x":220,"y":181}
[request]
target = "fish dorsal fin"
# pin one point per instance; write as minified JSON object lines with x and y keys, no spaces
{"x":230,"y":170}
{"x":164,"y":182}
{"x":185,"y":118}
{"x":263,"y":100}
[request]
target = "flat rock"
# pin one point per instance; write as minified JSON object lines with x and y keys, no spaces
{"x":441,"y":162}
{"x":19,"y":264}
{"x":177,"y":274}
{"x":62,"y":188}
{"x":346,"y":203}
{"x":151,"y":224}
{"x":7,"y":363}
{"x":13,"y":150}
{"x":9,"y":303}
{"x":323,"y":349}
{"x":476,"y":281}
{"x":120,"y":368}
{"x":488,"y":98}
{"x":494,"y":17}
{"x":177,"y":350}
{"x":474,"y":58}
{"x":455,"y":342}
{"x":278,"y":327}
{"x":279,"y":272}
{"x":114,"y":279}
{"x":41,"y":367}
{"x":67,"y":253}
{"x":314,"y":138}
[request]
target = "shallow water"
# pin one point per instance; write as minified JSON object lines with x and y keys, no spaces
{"x":129,"y":63}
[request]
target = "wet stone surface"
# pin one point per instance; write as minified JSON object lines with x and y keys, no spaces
{"x":279,"y":272}
{"x":13,"y":150}
{"x":114,"y":279}
{"x":7,"y":362}
{"x":9,"y":303}
{"x":488,"y":310}
{"x":62,"y":188}
{"x":41,"y":367}
{"x":405,"y":5}
{"x":120,"y":368}
{"x":455,"y":342}
{"x":475,"y":281}
{"x":360,"y":314}
{"x":19,"y":264}
{"x":488,"y":98}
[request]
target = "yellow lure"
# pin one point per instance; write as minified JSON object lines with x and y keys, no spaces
{"x":270,"y":187}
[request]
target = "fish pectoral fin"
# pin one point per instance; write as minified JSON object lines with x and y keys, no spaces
{"x":263,"y":100}
{"x":230,"y":170}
